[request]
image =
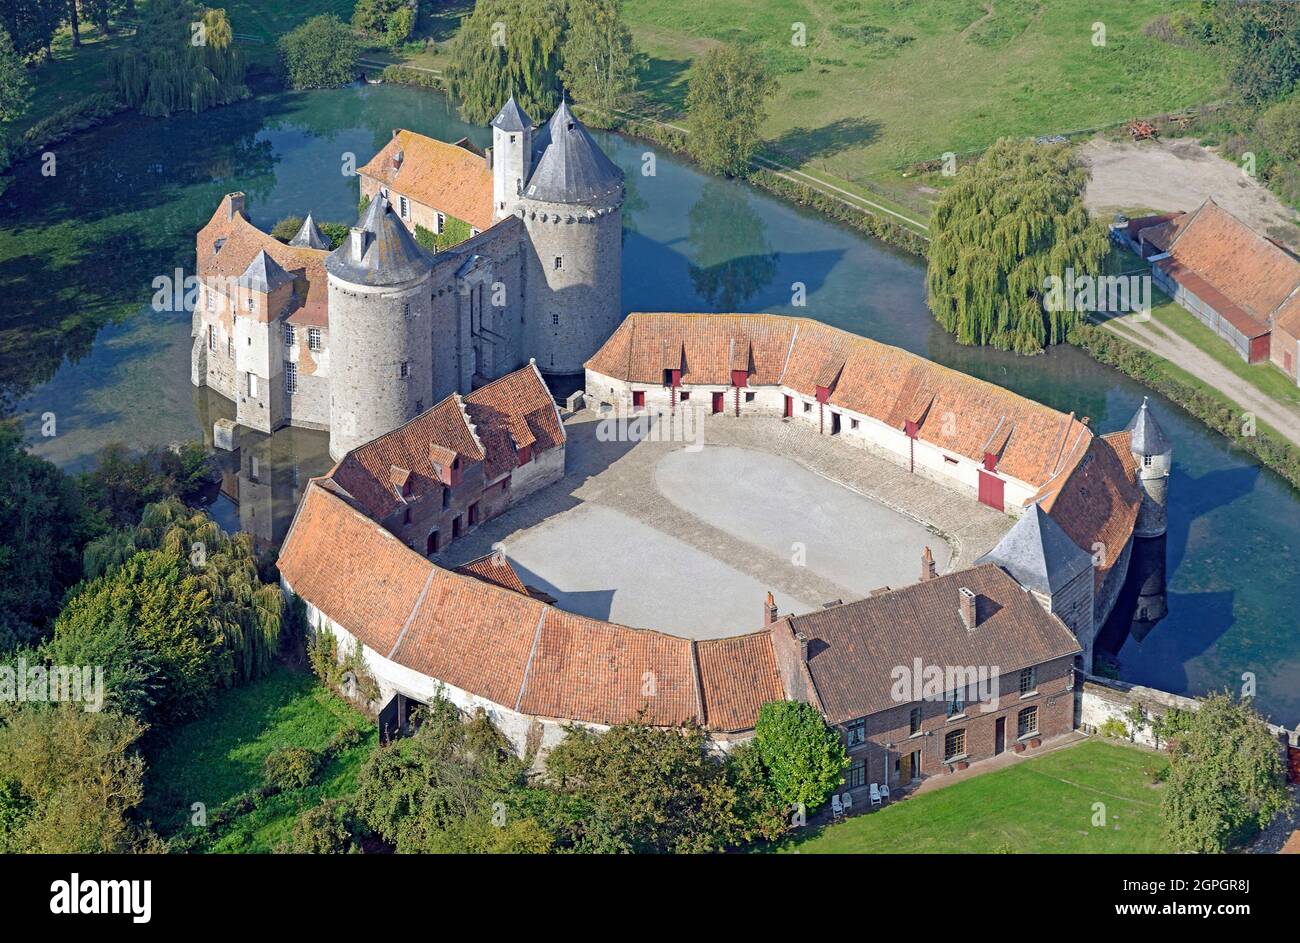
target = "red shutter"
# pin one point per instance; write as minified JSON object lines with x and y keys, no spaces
{"x":638,"y":399}
{"x":525,"y":454}
{"x":991,"y":490}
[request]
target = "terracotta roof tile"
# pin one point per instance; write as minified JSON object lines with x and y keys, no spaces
{"x":738,"y":675}
{"x":494,"y":568}
{"x":956,"y":412}
{"x":515,"y":411}
{"x":447,"y":177}
{"x":603,"y":673}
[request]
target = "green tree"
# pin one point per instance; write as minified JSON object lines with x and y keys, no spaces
{"x":805,"y":759}
{"x":504,"y":48}
{"x":14,"y":87}
{"x":1225,"y":780}
{"x":120,"y":485}
{"x":321,"y":53}
{"x":390,"y":21}
{"x":443,"y":789}
{"x":1005,"y":225}
{"x":725,"y":104}
{"x":599,"y":62}
{"x":99,"y":12}
{"x":31,"y":24}
{"x":69,"y":780}
{"x":181,"y":58}
{"x":150,"y":624}
{"x":642,"y":789}
{"x":41,"y":530}
{"x":1279,"y":128}
{"x":1262,"y":41}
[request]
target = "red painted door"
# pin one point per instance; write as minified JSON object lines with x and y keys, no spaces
{"x":718,"y":404}
{"x":789,"y":407}
{"x":991,"y":490}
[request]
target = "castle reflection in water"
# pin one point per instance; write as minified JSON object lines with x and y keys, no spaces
{"x":1142,"y":601}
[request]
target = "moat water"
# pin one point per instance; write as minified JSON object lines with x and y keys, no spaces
{"x":79,"y":340}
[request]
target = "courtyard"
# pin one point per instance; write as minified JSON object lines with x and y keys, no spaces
{"x":689,"y":539}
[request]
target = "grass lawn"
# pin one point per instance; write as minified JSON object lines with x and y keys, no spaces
{"x":221,"y":755}
{"x":1043,"y":805}
{"x":1265,"y":377}
{"x":71,"y":76}
{"x":884,"y":83}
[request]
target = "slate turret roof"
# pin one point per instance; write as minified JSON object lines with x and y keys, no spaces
{"x":569,"y":166}
{"x":1038,"y":554}
{"x":309,"y":236}
{"x":1145,"y":435}
{"x":512,"y":118}
{"x":390,"y":255}
{"x":264,"y":274}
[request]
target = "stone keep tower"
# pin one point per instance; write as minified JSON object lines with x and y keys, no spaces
{"x":512,"y":158}
{"x":1153,"y":454}
{"x":380,"y":329}
{"x":572,"y":209}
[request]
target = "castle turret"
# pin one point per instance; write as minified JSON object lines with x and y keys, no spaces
{"x":512,"y":157}
{"x":380,"y":329}
{"x":309,"y":236}
{"x":572,"y":208}
{"x":1153,"y":454}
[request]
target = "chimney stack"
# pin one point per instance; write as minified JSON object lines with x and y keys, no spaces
{"x":967,"y":607}
{"x":357,"y":243}
{"x":398,"y":156}
{"x":803,"y":646}
{"x":928,"y":570}
{"x":236,"y":205}
{"x":769,"y":611}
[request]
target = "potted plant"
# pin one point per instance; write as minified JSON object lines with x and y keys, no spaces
{"x":1018,"y":747}
{"x":1035,"y":742}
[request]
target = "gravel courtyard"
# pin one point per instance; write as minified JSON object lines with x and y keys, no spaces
{"x":689,"y":541}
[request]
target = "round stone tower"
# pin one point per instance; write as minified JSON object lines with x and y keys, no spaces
{"x":572,"y":208}
{"x":1154,"y":455}
{"x":380,"y":343}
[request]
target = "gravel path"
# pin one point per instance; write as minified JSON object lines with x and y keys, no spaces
{"x":1179,"y":175}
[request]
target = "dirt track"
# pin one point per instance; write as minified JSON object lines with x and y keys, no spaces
{"x":1179,"y":175}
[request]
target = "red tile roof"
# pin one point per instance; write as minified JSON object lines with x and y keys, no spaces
{"x":486,"y":426}
{"x":496,"y":569}
{"x":738,"y":675}
{"x":474,"y":633}
{"x":448,"y":177}
{"x":1249,"y":274}
{"x":240,"y":241}
{"x":956,"y":412}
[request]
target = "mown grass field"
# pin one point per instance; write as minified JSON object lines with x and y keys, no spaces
{"x":881,"y":84}
{"x":221,"y":755}
{"x":1043,"y":805}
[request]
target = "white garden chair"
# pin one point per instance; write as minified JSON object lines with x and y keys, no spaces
{"x":847,"y":802}
{"x":875,"y":794}
{"x":884,"y":791}
{"x":837,"y":807}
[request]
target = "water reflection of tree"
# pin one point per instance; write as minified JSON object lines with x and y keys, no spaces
{"x":731,"y":259}
{"x":80,"y":249}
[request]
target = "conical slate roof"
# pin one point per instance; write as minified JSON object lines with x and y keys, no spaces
{"x":1037,"y":553}
{"x":571,"y":167}
{"x":309,"y":236}
{"x":1145,"y":435}
{"x":511,"y":117}
{"x":264,"y":274}
{"x":390,"y":255}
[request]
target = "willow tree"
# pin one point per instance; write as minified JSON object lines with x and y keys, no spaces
{"x":182,"y":58}
{"x":1008,"y":223}
{"x":504,"y":48}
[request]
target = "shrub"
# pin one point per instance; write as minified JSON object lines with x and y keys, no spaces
{"x":1279,"y":127}
{"x":322,"y":830}
{"x":287,"y":228}
{"x":402,"y":75}
{"x":1115,"y":729}
{"x":290,"y":767}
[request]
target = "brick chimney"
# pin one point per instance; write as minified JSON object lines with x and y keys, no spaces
{"x":769,"y":611}
{"x":236,"y":205}
{"x":803,"y":646}
{"x":928,"y":570}
{"x":967,"y":607}
{"x":398,"y":157}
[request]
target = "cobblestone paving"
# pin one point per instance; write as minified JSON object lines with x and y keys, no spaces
{"x":621,"y":476}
